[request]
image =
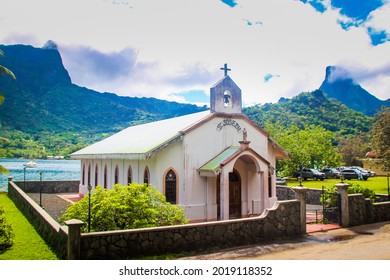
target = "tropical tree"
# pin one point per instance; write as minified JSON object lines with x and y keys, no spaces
{"x":310,"y":147}
{"x":126,"y":207}
{"x":352,"y":148}
{"x":380,"y":137}
{"x":4,"y":71}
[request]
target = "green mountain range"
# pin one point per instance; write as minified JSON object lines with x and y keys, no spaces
{"x":43,"y":98}
{"x":311,"y":108}
{"x":44,"y":113}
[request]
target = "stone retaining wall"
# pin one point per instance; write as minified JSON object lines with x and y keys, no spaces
{"x":363,"y":211}
{"x":282,"y":221}
{"x":69,"y":186}
{"x":286,"y":193}
{"x":54,"y":234}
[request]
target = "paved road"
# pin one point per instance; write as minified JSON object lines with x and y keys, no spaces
{"x":368,"y":242}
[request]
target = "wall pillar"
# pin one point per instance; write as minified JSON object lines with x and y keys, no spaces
{"x":300,"y":194}
{"x":73,"y":246}
{"x":342,"y":189}
{"x":9,"y":180}
{"x":224,"y":193}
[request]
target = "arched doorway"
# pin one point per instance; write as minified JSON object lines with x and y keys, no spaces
{"x":234,"y":195}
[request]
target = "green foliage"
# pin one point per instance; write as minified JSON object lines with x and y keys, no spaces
{"x":309,"y":147}
{"x":311,"y":108}
{"x":6,"y":232}
{"x":330,"y":198}
{"x":28,"y":244}
{"x":380,"y":137}
{"x":126,"y":207}
{"x":352,"y":148}
{"x":4,"y":71}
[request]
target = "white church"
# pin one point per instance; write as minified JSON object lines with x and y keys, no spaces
{"x":217,"y":164}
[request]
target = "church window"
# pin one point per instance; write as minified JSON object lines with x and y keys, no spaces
{"x":170,"y":187}
{"x":227,"y":98}
{"x":83,"y":175}
{"x":129,"y":175}
{"x":89,"y":174}
{"x":116,"y":178}
{"x":105,"y":177}
{"x":96,"y":175}
{"x":146,"y":176}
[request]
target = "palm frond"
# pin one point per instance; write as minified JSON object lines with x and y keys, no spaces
{"x":4,"y":70}
{"x":3,"y":170}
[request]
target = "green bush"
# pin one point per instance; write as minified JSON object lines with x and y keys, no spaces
{"x":125,"y":207}
{"x":366,"y":192}
{"x":6,"y":232}
{"x":329,"y":197}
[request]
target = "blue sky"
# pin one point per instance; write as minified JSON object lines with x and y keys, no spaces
{"x":174,"y":49}
{"x":357,"y":13}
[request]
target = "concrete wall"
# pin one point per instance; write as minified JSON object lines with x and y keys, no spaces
{"x":71,"y":186}
{"x":282,"y":221}
{"x":54,"y":234}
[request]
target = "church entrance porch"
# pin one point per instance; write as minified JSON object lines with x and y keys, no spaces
{"x":242,"y":185}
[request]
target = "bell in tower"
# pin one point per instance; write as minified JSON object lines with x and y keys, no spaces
{"x":225,"y":96}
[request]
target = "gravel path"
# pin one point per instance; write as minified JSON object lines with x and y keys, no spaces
{"x":53,"y":204}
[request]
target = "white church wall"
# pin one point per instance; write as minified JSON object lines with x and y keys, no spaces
{"x":170,"y":158}
{"x":211,"y":193}
{"x":206,"y":142}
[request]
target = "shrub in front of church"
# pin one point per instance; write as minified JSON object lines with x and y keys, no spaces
{"x":126,"y":207}
{"x":6,"y":232}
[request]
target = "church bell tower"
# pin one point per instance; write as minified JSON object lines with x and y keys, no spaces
{"x":225,"y":96}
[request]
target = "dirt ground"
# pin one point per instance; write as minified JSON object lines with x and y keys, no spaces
{"x":367,"y":242}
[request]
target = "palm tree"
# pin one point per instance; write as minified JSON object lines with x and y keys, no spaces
{"x":3,"y":71}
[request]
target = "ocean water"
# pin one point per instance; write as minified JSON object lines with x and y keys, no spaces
{"x":51,"y":170}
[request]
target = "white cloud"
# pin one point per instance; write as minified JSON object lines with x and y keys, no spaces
{"x":156,"y":48}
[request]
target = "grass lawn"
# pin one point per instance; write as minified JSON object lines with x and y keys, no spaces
{"x":377,"y":184}
{"x":28,"y":245}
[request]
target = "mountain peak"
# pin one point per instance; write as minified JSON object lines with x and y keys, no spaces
{"x":336,"y":73}
{"x":340,"y":85}
{"x":50,"y":45}
{"x":36,"y":66}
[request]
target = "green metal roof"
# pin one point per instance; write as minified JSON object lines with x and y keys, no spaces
{"x":213,"y":165}
{"x":137,"y":141}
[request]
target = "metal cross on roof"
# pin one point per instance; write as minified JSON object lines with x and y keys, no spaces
{"x":225,"y":69}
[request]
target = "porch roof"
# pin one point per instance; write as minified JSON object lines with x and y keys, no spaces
{"x":211,"y":168}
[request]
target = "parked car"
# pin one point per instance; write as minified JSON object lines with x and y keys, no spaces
{"x":353,"y":174}
{"x":331,"y":173}
{"x":362,"y":170}
{"x":311,"y":173}
{"x":281,"y":181}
